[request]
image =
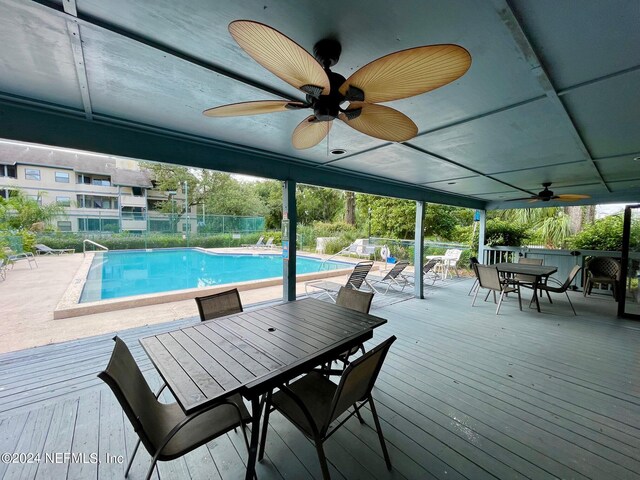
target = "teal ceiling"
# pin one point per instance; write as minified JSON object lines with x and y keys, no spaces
{"x":552,"y":93}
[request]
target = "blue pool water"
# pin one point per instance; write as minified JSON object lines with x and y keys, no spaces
{"x":136,"y":272}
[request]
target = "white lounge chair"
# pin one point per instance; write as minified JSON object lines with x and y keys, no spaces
{"x":258,"y":244}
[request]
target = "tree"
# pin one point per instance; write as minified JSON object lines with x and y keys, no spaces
{"x":549,"y":226}
{"x":603,"y":234}
{"x":270,"y":194}
{"x":350,"y":208}
{"x":21,"y":212}
{"x":317,"y":204}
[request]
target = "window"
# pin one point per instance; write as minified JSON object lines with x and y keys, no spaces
{"x":98,"y":224}
{"x":64,"y":226}
{"x":91,"y":201}
{"x":37,"y":198}
{"x":62,"y":177}
{"x":8,"y":171}
{"x":64,"y":201}
{"x":32,"y":174}
{"x":86,"y":179}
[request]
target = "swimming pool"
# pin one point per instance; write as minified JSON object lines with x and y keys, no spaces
{"x":137,"y":272}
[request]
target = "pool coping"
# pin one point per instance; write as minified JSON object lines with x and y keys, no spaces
{"x":69,"y":305}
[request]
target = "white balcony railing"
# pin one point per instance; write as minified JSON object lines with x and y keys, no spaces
{"x":133,"y":201}
{"x":134,"y":224}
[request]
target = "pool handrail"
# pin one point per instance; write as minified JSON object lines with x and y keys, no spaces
{"x":84,"y":245}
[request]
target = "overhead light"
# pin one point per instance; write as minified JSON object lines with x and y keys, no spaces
{"x":338,"y":151}
{"x":637,"y":159}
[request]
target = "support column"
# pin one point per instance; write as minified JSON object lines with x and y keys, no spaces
{"x":418,"y":253}
{"x":289,"y":221}
{"x":483,"y":228}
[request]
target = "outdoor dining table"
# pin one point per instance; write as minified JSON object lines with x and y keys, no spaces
{"x":537,"y":271}
{"x":253,"y":352}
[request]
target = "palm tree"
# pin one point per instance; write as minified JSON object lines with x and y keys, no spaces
{"x":550,"y":226}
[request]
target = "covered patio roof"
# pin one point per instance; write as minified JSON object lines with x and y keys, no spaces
{"x":551,"y":95}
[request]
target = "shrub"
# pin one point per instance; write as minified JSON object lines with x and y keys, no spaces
{"x":603,"y":234}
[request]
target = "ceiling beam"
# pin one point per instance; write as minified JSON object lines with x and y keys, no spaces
{"x":571,"y":88}
{"x":50,"y":127}
{"x":521,"y":40}
{"x":99,"y":24}
{"x":75,"y":39}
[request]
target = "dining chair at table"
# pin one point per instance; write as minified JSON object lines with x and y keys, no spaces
{"x":529,"y":280}
{"x":219,"y":304}
{"x":313,"y":402}
{"x":473,"y":261}
{"x":360,"y":302}
{"x":489,"y":278}
{"x":163,"y":428}
{"x":559,"y":287}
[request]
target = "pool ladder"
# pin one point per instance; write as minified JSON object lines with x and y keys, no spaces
{"x":84,"y":245}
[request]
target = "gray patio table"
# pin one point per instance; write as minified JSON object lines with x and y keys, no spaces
{"x":253,"y":352}
{"x":537,"y":271}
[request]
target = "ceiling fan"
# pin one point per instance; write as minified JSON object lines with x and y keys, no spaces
{"x":547,"y":195}
{"x":395,"y":76}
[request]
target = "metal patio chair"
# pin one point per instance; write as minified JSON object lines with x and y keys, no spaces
{"x":313,"y":402}
{"x":428,"y":270}
{"x":489,"y":278}
{"x":355,"y":281}
{"x":360,"y":302}
{"x":561,"y":288}
{"x":473,"y":261}
{"x":219,"y":304}
{"x":164,"y":429}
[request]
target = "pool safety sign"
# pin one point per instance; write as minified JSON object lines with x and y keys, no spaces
{"x":285,"y":249}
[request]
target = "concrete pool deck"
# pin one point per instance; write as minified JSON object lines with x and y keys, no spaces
{"x":30,"y":296}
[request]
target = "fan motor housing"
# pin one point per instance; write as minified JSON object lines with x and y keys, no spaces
{"x":327,"y":107}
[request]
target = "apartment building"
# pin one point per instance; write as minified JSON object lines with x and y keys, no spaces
{"x":100,"y":193}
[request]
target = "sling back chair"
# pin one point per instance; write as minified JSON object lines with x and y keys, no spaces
{"x":313,"y":402}
{"x":163,"y":428}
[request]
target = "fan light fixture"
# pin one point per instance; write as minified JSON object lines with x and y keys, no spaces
{"x":338,"y":151}
{"x":395,"y":76}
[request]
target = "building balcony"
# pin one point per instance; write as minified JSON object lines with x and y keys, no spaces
{"x":133,"y":201}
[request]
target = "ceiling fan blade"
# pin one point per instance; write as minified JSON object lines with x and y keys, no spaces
{"x":409,"y":72}
{"x":569,"y":197}
{"x":530,"y":199}
{"x":281,"y":56}
{"x":253,"y":108}
{"x":379,"y":121}
{"x":310,"y":132}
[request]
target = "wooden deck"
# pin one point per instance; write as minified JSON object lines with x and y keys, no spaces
{"x":463,"y":394}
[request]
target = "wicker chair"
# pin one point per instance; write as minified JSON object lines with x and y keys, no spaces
{"x":219,"y":304}
{"x":164,"y":429}
{"x":313,"y":402}
{"x":605,"y":271}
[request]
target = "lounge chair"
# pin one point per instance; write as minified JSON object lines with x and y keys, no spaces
{"x":258,"y":244}
{"x":313,"y":403}
{"x":355,"y":281}
{"x":393,"y":278}
{"x":357,"y":248}
{"x":219,"y":304}
{"x":3,"y":268}
{"x":427,"y":271}
{"x":164,"y":429}
{"x":14,"y":257}
{"x":269,"y":243}
{"x":42,"y":249}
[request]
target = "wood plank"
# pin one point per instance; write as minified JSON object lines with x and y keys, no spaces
{"x":86,"y":435}
{"x":111,"y":437}
{"x":10,"y":430}
{"x":58,"y":442}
